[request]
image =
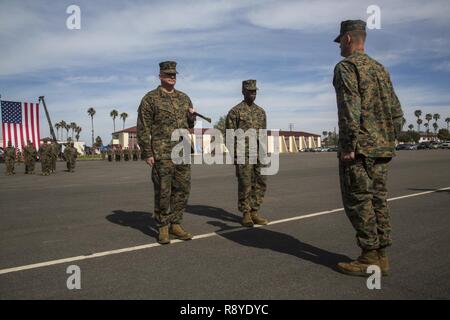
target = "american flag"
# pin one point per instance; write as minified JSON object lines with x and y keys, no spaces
{"x":20,"y":123}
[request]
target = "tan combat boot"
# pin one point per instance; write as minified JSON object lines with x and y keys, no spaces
{"x":258,"y":219}
{"x":359,"y":266}
{"x":163,"y":237}
{"x":178,"y":232}
{"x":384,"y":261}
{"x":247,"y":220}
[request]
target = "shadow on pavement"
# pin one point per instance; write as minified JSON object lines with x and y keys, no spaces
{"x":213,"y":212}
{"x":262,"y":238}
{"x":141,"y":221}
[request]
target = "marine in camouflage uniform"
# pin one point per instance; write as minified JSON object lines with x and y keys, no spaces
{"x":19,"y":157}
{"x":127,"y":154}
{"x":29,"y":157}
{"x":45,"y":154}
{"x":10,"y":159}
{"x":110,"y":154}
{"x":161,"y":112}
{"x":135,"y":158}
{"x":54,"y":155}
{"x":121,"y":154}
{"x":251,"y":183}
{"x":70,"y":154}
{"x":370,"y":119}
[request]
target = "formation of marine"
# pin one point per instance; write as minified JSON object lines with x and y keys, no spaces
{"x":48,"y":154}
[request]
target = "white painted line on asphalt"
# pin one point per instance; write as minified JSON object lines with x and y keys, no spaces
{"x":418,"y":194}
{"x":201,"y":236}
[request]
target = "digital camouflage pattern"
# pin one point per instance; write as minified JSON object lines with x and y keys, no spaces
{"x":251,"y":187}
{"x":249,"y":84}
{"x":45,"y":155}
{"x":19,"y":157}
{"x":172,"y":184}
{"x":251,"y":184}
{"x":160,"y":114}
{"x":370,"y":119}
{"x":70,"y":155}
{"x":245,"y":117}
{"x":10,"y":159}
{"x":30,"y":154}
{"x":169,"y":67}
{"x":350,"y":25}
{"x":364,"y":194}
{"x":370,"y":115}
{"x":54,"y":155}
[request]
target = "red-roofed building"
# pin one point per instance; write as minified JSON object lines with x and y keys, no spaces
{"x":289,"y":141}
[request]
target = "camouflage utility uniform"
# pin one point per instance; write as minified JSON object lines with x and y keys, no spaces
{"x":70,"y":154}
{"x":45,"y":154}
{"x":251,"y":183}
{"x":10,"y":159}
{"x":370,"y":118}
{"x":30,"y":158}
{"x":159,"y":114}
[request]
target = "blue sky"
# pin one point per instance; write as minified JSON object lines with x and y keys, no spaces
{"x":112,"y":61}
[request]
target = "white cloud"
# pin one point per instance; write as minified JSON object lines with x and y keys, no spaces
{"x":316,"y":16}
{"x":133,"y":31}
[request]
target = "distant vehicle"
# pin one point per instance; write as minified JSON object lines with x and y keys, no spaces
{"x":424,"y":145}
{"x":406,"y":146}
{"x":435,"y":145}
{"x":445,"y":145}
{"x":333,"y":149}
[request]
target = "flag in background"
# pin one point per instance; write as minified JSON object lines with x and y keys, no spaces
{"x":20,"y":123}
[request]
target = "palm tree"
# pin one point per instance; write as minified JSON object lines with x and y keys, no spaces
{"x":426,"y":125}
{"x":418,"y":113}
{"x":436,"y":117}
{"x":57,"y":126}
{"x":63,"y":125}
{"x":73,"y":126}
{"x":448,"y":122}
{"x":419,"y":122}
{"x":124,"y":116}
{"x":411,"y":127}
{"x":78,"y":130}
{"x":435,"y":127}
{"x":428,"y":117}
{"x":324,"y":133}
{"x":91,"y":113}
{"x":114,"y":114}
